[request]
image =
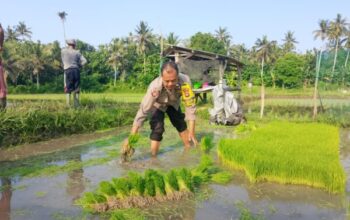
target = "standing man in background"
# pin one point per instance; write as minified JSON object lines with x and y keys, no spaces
{"x":3,"y":84}
{"x":72,"y":62}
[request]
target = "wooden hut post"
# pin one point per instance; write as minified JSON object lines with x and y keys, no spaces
{"x":221,"y":69}
{"x":177,"y":57}
{"x":239,"y":72}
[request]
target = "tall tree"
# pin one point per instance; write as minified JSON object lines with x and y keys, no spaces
{"x":11,"y":34}
{"x":23,"y":31}
{"x":321,"y":33}
{"x":346,"y":42}
{"x":37,"y":60}
{"x":337,"y":28}
{"x":289,"y":42}
{"x":117,"y":51}
{"x":224,"y":36}
{"x":264,"y":49}
{"x":207,"y":42}
{"x":63,"y":16}
{"x":172,"y":39}
{"x":143,"y":39}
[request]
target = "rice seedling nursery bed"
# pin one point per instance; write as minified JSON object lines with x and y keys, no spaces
{"x":285,"y":152}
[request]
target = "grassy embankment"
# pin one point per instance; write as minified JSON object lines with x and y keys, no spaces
{"x":31,"y":118}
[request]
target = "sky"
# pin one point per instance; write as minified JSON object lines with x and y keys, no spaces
{"x":98,"y":22}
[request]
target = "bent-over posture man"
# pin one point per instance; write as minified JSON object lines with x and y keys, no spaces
{"x":164,"y":96}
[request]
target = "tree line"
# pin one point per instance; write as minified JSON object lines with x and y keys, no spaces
{"x":134,"y":60}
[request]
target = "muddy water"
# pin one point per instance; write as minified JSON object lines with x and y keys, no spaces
{"x":52,"y":197}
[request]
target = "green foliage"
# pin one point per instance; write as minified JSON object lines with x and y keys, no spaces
{"x":139,"y":79}
{"x":289,"y":70}
{"x":300,"y":153}
{"x":207,"y":144}
{"x":207,"y":42}
{"x":34,"y":122}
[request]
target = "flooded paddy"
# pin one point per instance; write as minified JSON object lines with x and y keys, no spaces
{"x":45,"y":183}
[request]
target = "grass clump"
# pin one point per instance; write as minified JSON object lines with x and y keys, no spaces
{"x":298,"y":153}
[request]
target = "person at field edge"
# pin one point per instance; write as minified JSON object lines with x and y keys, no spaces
{"x":3,"y":84}
{"x":72,"y":60}
{"x":163,"y":96}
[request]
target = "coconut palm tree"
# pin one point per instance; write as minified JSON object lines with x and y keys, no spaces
{"x":63,"y":16}
{"x":23,"y":31}
{"x":10,"y":63}
{"x":143,"y":38}
{"x":10,"y":34}
{"x":117,"y":50}
{"x":224,"y":36}
{"x":36,"y":60}
{"x":172,"y":39}
{"x":240,"y":52}
{"x":264,"y":49}
{"x":346,"y":42}
{"x":337,"y":28}
{"x":289,"y":42}
{"x":321,"y":33}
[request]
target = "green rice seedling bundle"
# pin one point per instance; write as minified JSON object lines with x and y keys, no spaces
{"x":207,"y":144}
{"x":137,"y":191}
{"x":297,"y":153}
{"x":222,"y":177}
{"x":128,"y":150}
{"x":246,"y":127}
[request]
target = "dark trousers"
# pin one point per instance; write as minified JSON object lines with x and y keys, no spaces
{"x":72,"y":80}
{"x":177,"y":119}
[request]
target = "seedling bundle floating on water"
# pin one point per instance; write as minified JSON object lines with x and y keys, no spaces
{"x":138,"y":191}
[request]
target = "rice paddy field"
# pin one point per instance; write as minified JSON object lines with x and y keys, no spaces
{"x":286,"y":166}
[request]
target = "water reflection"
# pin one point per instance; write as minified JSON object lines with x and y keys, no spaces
{"x":75,"y":180}
{"x":5,"y":201}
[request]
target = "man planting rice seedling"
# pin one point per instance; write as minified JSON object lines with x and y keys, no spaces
{"x":164,"y":95}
